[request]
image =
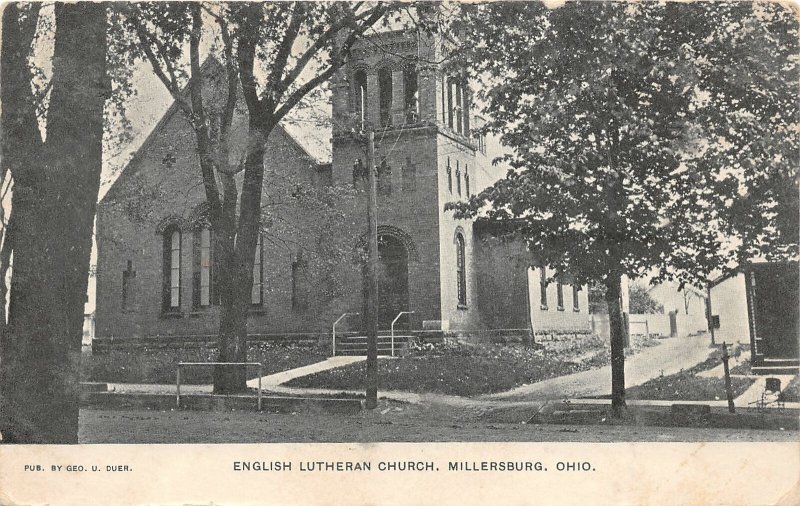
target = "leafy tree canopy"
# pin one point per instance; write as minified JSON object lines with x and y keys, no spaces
{"x":648,"y":135}
{"x":641,"y":302}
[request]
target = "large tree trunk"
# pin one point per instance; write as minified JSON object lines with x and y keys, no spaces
{"x":54,"y":201}
{"x":238,"y":267}
{"x":617,"y":327}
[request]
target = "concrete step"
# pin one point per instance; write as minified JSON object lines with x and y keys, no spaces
{"x":768,"y":366}
{"x":775,"y":370}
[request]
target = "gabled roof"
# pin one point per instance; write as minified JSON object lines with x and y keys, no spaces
{"x":311,"y":141}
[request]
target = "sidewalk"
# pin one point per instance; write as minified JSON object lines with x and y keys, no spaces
{"x":672,"y":355}
{"x":276,"y":379}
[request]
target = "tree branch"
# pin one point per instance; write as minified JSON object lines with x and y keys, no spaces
{"x":274,"y":82}
{"x":199,"y":116}
{"x":246,"y":56}
{"x":337,"y":60}
{"x":171,"y":85}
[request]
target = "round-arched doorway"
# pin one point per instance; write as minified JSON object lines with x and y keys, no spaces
{"x":392,"y":280}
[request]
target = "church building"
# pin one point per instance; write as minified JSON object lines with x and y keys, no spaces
{"x":155,"y":274}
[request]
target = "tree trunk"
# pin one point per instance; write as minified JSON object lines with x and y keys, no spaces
{"x":617,"y":328}
{"x":54,"y":200}
{"x":238,"y":268}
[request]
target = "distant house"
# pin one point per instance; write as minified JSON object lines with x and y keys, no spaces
{"x":759,"y":304}
{"x":687,"y":300}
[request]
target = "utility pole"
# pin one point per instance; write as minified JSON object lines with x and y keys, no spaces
{"x":372,"y":276}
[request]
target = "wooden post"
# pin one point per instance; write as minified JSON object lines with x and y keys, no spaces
{"x":728,"y":390}
{"x":372,"y":277}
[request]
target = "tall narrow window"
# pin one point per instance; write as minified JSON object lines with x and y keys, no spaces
{"x":466,"y":180}
{"x":465,"y":108}
{"x":385,"y":95}
{"x":451,"y":90}
{"x":560,"y":295}
{"x":385,"y":178}
{"x":360,"y":97}
{"x":411,"y":93}
{"x":449,"y":176}
{"x":171,"y":293}
{"x":299,"y":284}
{"x":461,"y":272}
{"x":459,"y":107}
{"x":576,"y":304}
{"x":128,"y":276}
{"x":458,"y":179}
{"x":257,"y":293}
{"x":444,"y":101}
{"x":409,"y":175}
{"x":201,"y":289}
{"x":543,"y":287}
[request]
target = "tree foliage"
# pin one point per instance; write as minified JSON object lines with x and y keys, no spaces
{"x":274,"y":54}
{"x":642,"y":137}
{"x":641,"y":302}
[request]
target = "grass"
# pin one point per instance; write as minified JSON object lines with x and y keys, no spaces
{"x":158,"y":365}
{"x":459,"y":369}
{"x":743,"y":368}
{"x":687,"y":386}
{"x":791,"y":393}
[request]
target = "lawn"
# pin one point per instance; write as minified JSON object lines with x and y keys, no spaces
{"x":687,"y":386}
{"x":158,"y":365}
{"x":791,"y":392}
{"x":461,"y":369}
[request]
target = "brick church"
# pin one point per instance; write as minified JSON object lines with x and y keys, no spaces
{"x":155,"y":273}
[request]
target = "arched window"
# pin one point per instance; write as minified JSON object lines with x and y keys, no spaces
{"x":461,"y":271}
{"x":257,"y":293}
{"x":360,"y":97}
{"x":451,"y":100}
{"x":203,"y":265}
{"x":411,"y":93}
{"x":457,"y":106}
{"x":385,"y":95}
{"x":458,"y":111}
{"x":171,"y":274}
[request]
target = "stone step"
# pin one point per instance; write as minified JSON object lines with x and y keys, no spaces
{"x":775,"y":370}
{"x":362,"y":353}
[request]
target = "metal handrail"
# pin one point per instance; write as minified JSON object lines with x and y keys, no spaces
{"x":401,"y":313}
{"x":181,"y":364}
{"x":333,"y":332}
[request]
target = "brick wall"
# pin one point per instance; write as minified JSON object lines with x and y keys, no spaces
{"x":163,"y":183}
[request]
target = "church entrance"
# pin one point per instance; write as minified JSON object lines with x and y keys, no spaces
{"x":392,"y":281}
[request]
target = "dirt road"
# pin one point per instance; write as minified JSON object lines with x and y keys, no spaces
{"x":389,"y":423}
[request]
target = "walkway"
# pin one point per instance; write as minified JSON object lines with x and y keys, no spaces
{"x":669,"y":357}
{"x":276,"y":379}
